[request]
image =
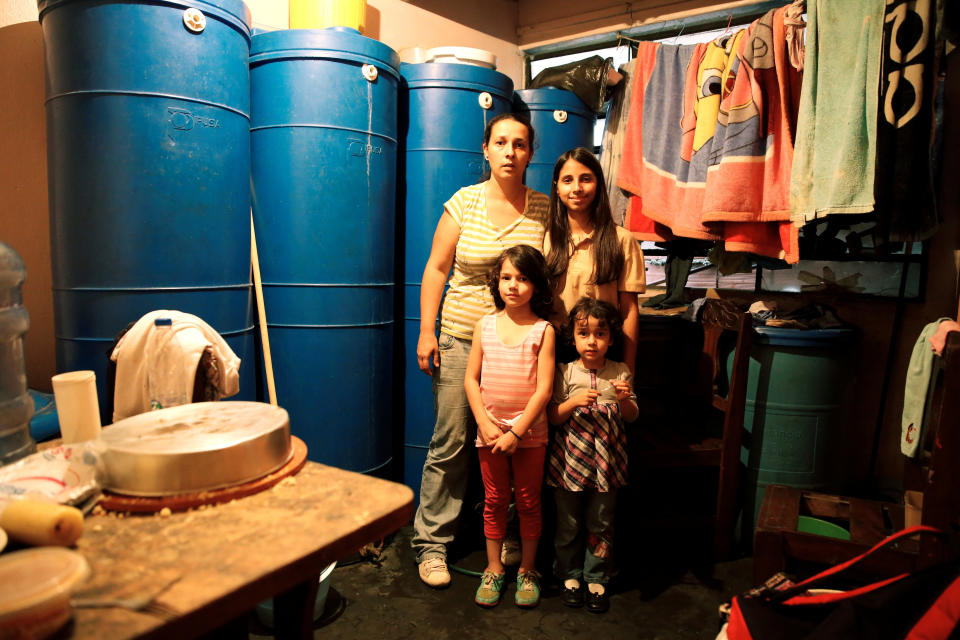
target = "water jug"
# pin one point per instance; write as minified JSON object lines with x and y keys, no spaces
{"x":16,"y":405}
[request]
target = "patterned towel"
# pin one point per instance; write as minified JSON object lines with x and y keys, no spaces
{"x":748,"y":181}
{"x":906,"y":208}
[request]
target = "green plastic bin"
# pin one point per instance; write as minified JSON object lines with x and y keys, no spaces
{"x":795,"y":412}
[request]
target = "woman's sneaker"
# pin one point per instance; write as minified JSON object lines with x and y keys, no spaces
{"x":528,"y":589}
{"x":434,"y":573}
{"x":488,"y":593}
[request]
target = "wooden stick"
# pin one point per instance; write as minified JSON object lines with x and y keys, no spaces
{"x":262,"y":314}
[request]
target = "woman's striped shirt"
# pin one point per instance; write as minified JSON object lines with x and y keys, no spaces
{"x":468,"y":298}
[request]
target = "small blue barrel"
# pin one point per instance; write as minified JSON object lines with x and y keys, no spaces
{"x":324,"y":143}
{"x":148,"y":155}
{"x":796,"y":407}
{"x":561,"y":121}
{"x":444,"y":109}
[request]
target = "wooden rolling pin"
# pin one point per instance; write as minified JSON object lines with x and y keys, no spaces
{"x":41,"y":523}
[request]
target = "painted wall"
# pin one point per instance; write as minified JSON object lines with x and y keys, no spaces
{"x":24,"y":222}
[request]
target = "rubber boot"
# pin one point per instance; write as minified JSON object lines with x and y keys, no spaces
{"x":654,"y":301}
{"x":678,"y":282}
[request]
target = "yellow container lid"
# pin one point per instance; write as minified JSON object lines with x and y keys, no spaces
{"x":321,"y":14}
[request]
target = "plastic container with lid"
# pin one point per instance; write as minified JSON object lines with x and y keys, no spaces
{"x":320,"y":14}
{"x":35,"y":588}
{"x":462,"y":55}
{"x":16,"y":405}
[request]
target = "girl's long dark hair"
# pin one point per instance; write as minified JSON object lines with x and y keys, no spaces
{"x":607,"y":253}
{"x":530,"y":263}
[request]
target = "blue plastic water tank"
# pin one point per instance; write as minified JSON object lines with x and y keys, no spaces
{"x":561,"y":121}
{"x":148,"y":154}
{"x":324,"y":143}
{"x":444,"y":109}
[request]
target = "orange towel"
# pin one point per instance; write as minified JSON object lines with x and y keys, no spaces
{"x":748,"y":181}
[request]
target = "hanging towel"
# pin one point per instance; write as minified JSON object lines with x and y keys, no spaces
{"x":915,"y":390}
{"x":631,"y":160}
{"x":138,"y":347}
{"x":748,"y":180}
{"x":836,"y":147}
{"x":654,"y":163}
{"x":906,"y":208}
{"x":642,"y":227}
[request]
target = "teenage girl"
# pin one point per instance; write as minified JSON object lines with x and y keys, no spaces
{"x":587,"y":254}
{"x":588,"y":454}
{"x":508,"y":383}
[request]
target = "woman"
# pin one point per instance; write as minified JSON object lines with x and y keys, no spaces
{"x":587,"y":254}
{"x":477,"y":224}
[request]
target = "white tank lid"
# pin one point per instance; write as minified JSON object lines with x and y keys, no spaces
{"x":462,"y":55}
{"x":413,"y":55}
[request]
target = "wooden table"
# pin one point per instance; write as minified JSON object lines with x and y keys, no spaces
{"x":231,"y":556}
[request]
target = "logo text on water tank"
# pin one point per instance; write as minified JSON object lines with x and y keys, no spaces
{"x":183,"y":120}
{"x":360,"y":148}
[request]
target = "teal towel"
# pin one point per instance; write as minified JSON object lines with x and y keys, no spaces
{"x":835,"y":153}
{"x":915,"y":390}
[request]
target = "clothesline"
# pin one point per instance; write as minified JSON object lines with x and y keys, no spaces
{"x":797,"y":7}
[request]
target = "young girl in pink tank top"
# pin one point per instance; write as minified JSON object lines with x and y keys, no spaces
{"x":509,"y":381}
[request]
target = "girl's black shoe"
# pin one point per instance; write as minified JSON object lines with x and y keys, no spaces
{"x":597,"y":602}
{"x":572,"y":597}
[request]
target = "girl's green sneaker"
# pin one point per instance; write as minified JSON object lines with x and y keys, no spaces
{"x":488,"y":594}
{"x":528,"y":589}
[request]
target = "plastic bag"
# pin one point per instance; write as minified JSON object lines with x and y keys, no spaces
{"x":587,"y":79}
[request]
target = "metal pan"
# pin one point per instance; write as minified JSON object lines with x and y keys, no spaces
{"x":195,"y":447}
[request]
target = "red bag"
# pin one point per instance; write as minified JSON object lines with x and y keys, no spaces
{"x":922,"y":605}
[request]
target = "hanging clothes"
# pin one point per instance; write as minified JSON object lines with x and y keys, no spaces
{"x":905,"y":204}
{"x":631,"y":160}
{"x":748,"y":180}
{"x":917,"y":382}
{"x":707,"y":150}
{"x":836,"y":145}
{"x":663,"y":168}
{"x":611,"y":147}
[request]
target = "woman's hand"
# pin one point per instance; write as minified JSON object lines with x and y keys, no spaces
{"x":428,"y":351}
{"x":506,"y":444}
{"x":622,"y":388}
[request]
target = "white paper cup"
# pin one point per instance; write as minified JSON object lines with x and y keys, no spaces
{"x":77,"y":407}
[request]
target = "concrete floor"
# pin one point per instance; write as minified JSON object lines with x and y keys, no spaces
{"x":663,"y":592}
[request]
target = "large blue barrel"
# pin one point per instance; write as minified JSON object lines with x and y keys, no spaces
{"x":148,"y":152}
{"x":797,"y":397}
{"x":324,"y":142}
{"x":561,"y":121}
{"x":444,"y":109}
